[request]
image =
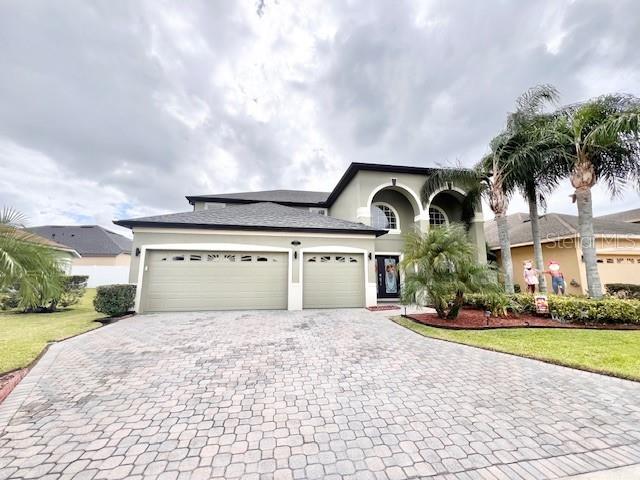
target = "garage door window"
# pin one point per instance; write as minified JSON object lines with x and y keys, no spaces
{"x":332,"y":259}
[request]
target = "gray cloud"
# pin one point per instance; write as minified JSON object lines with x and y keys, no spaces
{"x":129,"y":106}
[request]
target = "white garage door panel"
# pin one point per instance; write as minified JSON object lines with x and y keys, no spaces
{"x":182,"y":281}
{"x":333,"y":280}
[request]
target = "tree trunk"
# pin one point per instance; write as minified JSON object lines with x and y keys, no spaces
{"x":587,"y":240}
{"x":458,"y":301}
{"x":505,"y":251}
{"x":537,"y":244}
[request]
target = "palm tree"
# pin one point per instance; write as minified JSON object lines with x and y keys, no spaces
{"x":485,"y":180}
{"x":442,"y":264}
{"x":25,"y":263}
{"x":534,"y":171}
{"x":603,"y":138}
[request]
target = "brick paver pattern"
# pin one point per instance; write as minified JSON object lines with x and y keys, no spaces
{"x":334,"y":394}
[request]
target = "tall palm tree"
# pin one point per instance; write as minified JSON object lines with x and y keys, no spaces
{"x":25,"y":263}
{"x":534,"y":172}
{"x":485,"y":180}
{"x":603,"y":136}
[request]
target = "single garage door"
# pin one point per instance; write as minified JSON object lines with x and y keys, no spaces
{"x":187,"y":281}
{"x":333,"y":280}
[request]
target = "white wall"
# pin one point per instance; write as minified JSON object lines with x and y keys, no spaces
{"x":102,"y":275}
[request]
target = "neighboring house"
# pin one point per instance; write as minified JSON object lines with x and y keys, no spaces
{"x":629,"y":216}
{"x":105,"y":256}
{"x":65,"y":254}
{"x":289,"y":249}
{"x":617,"y":247}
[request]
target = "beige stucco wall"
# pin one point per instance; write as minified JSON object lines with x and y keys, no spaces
{"x":355,"y":201}
{"x":564,"y":252}
{"x":394,"y":242}
{"x":121,"y":260}
{"x":623,"y":252}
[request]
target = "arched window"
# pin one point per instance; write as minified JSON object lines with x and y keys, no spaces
{"x":437,"y":217}
{"x":384,"y":216}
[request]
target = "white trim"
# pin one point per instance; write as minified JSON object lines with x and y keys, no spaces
{"x":446,"y":189}
{"x":257,"y":233}
{"x":292,"y":301}
{"x":391,"y":231}
{"x":368,"y":302}
{"x":402,"y":186}
{"x":436,"y":207}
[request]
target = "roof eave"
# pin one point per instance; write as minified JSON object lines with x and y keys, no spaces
{"x":206,"y":226}
{"x":355,"y":167}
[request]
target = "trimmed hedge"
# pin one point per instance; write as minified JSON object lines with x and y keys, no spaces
{"x":569,"y":308}
{"x":115,"y":300}
{"x":623,"y":290}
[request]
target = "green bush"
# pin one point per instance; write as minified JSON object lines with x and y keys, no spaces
{"x":441,"y":267}
{"x":568,"y":308}
{"x":623,"y":290}
{"x":115,"y":300}
{"x":499,"y":304}
{"x":525,"y":302}
{"x":73,"y":288}
{"x":9,"y":299}
{"x":70,"y":291}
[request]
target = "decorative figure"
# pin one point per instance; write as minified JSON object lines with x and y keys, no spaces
{"x":391,"y":283}
{"x":530,"y":276}
{"x":557,"y":278}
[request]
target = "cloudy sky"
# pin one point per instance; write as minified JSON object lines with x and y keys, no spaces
{"x":113,"y":109}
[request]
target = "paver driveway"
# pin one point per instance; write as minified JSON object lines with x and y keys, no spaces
{"x":313,"y":394}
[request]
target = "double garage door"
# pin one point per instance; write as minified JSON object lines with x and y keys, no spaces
{"x":189,"y":281}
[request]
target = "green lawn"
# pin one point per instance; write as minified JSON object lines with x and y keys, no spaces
{"x":24,"y":335}
{"x":613,"y":352}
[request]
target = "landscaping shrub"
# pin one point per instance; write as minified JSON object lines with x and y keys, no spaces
{"x":567,"y":308}
{"x":525,"y":302}
{"x":499,"y":304}
{"x":115,"y":300}
{"x":441,"y":266}
{"x":73,"y":288}
{"x":623,"y":290}
{"x":69,"y":291}
{"x":9,"y":299}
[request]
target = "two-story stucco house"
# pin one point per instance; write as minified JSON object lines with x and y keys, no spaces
{"x":289,"y":249}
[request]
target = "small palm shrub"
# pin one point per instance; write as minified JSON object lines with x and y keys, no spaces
{"x":115,"y":300}
{"x":440,"y":267}
{"x":29,"y":269}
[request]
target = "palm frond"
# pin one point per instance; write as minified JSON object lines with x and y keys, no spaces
{"x":463,"y":178}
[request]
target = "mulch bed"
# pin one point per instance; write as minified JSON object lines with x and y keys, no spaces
{"x":474,"y":319}
{"x":8,"y":382}
{"x":382,"y":308}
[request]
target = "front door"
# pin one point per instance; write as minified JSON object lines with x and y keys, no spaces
{"x":388,"y":276}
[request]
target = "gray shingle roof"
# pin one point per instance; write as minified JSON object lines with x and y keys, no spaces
{"x":626,"y":216}
{"x":278,"y":196}
{"x":87,"y":240}
{"x":553,"y":225}
{"x":253,"y":216}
